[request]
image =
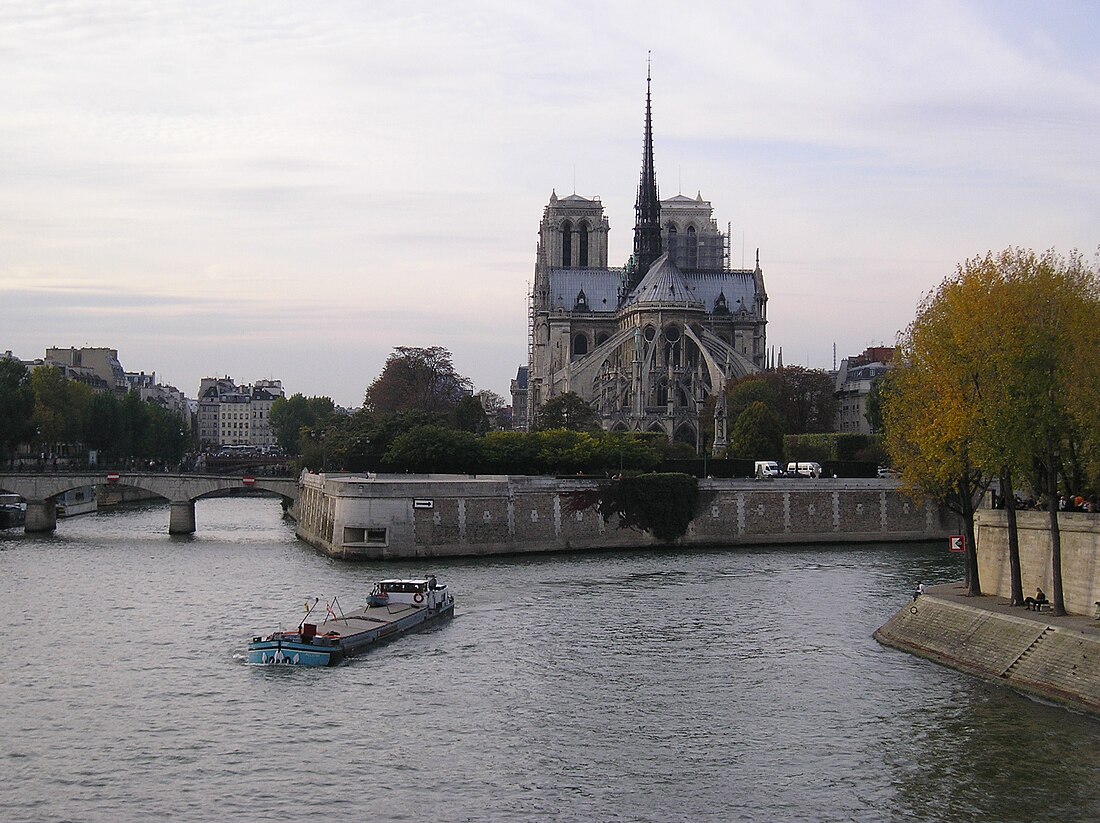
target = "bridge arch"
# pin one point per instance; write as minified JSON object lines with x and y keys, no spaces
{"x":180,"y":490}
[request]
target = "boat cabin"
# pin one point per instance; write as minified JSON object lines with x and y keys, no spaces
{"x":415,"y":591}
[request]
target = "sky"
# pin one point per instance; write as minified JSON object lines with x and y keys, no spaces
{"x":291,"y":189}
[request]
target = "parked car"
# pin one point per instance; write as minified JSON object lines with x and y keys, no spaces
{"x":767,"y":469}
{"x":808,"y":469}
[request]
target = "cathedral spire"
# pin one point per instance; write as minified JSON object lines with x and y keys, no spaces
{"x":647,"y":208}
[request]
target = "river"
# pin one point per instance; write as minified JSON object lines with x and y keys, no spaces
{"x":718,"y":685}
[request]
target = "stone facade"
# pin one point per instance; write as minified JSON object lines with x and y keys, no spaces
{"x":650,"y":345}
{"x":401,"y":516}
{"x":1080,"y":556}
{"x":232,"y":415}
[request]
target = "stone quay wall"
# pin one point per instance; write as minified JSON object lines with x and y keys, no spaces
{"x":1080,"y":555}
{"x":406,"y":516}
{"x":1055,"y":658}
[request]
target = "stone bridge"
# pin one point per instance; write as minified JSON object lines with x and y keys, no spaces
{"x":181,"y":491}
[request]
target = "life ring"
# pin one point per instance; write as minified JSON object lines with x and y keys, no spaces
{"x":913,"y":610}
{"x":418,"y":598}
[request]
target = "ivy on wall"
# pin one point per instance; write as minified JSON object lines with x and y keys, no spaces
{"x":661,"y":504}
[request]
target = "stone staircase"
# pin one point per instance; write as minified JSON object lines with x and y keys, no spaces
{"x":1007,"y":673}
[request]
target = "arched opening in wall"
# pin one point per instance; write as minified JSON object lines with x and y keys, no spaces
{"x":620,"y":427}
{"x":691,"y":354}
{"x":673,"y":248}
{"x":566,"y":244}
{"x":657,"y":427}
{"x":692,"y":248}
{"x":580,"y":345}
{"x":660,"y":392}
{"x":686,"y":434}
{"x":582,"y":243}
{"x":682,"y":397}
{"x":602,"y":337}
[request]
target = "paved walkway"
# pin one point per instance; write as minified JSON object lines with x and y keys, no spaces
{"x":956,"y":592}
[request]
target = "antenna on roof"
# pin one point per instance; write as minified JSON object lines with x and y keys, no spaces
{"x":574,"y":178}
{"x":679,"y":181}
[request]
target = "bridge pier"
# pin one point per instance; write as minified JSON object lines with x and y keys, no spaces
{"x":41,"y":516}
{"x":181,"y":517}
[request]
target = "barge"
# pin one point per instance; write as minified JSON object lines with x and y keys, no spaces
{"x":393,"y":608}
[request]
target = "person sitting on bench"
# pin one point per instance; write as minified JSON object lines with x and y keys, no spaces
{"x":1035,"y":603}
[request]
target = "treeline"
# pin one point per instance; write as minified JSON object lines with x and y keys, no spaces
{"x":48,"y":416}
{"x":999,"y":379}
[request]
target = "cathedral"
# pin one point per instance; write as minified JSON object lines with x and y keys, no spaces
{"x":650,"y":345}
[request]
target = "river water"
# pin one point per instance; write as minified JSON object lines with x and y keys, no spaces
{"x":720,"y":685}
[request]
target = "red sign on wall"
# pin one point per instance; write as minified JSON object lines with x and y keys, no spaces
{"x":248,"y":481}
{"x":112,"y":477}
{"x":956,"y":543}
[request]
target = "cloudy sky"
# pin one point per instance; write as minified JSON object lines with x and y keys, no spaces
{"x":291,"y":189}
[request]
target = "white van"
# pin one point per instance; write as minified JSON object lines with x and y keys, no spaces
{"x":766,"y":469}
{"x":803,"y":470}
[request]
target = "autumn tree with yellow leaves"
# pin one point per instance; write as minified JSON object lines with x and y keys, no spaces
{"x":1000,"y":377}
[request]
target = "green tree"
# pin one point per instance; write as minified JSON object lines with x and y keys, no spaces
{"x":807,"y":401}
{"x":433,"y":449}
{"x":565,"y":451}
{"x":417,"y":379}
{"x":566,"y":411}
{"x":469,"y":416}
{"x":757,"y":434}
{"x":59,"y":407}
{"x":16,"y":406}
{"x":289,"y":415}
{"x":748,"y":390}
{"x":509,"y":452}
{"x":880,"y":387}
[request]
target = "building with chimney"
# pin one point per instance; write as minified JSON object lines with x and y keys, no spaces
{"x":232,"y":415}
{"x":651,"y":345}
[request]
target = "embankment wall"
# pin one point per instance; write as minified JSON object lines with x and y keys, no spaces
{"x":1057,"y":662}
{"x":1080,"y":555}
{"x":402,"y":516}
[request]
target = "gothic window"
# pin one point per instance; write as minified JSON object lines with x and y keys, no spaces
{"x":672,"y":248}
{"x":566,"y":244}
{"x":692,"y":248}
{"x":580,"y":345}
{"x":662,"y":392}
{"x":602,"y":338}
{"x":582,"y":243}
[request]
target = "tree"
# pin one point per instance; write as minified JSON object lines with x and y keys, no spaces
{"x":757,"y":434}
{"x":433,"y":449}
{"x":566,"y":411}
{"x":16,"y":405}
{"x":289,"y":415}
{"x":416,"y":379}
{"x":748,"y":390}
{"x":59,"y":405}
{"x":469,"y":415}
{"x":1005,"y":349}
{"x":807,"y":401}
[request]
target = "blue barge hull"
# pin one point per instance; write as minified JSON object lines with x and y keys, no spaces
{"x":390,"y":613}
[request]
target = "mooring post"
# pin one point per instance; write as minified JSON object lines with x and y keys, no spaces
{"x":181,"y":517}
{"x":41,"y":516}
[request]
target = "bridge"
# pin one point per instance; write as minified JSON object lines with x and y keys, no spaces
{"x":181,"y":491}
